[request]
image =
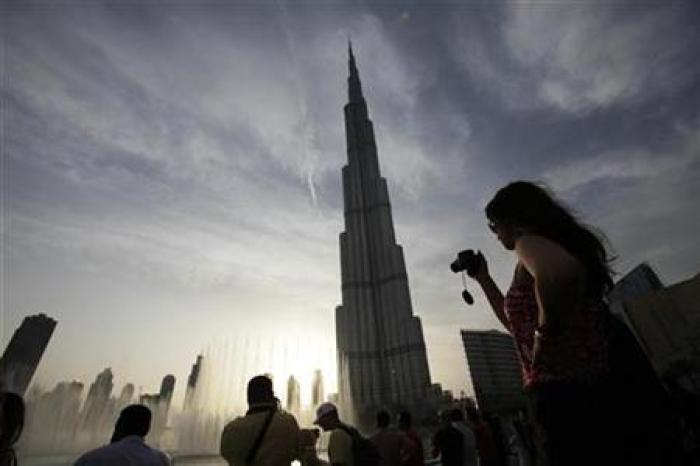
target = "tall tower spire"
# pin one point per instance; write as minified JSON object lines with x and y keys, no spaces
{"x":354,"y":86}
{"x":381,"y":351}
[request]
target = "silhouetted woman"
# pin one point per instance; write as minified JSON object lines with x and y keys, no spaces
{"x":11,"y":425}
{"x":555,"y":310}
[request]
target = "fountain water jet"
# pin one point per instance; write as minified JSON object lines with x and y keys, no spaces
{"x":61,"y":422}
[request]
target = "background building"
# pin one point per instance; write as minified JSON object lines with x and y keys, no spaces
{"x":167,"y":387}
{"x":666,"y":322}
{"x":192,"y":383}
{"x":293,"y":396}
{"x":97,"y":414}
{"x":317,"y":394}
{"x":495,"y":370}
{"x":52,"y":418}
{"x":159,"y":404}
{"x":22,"y":355}
{"x":638,"y":282}
{"x":381,"y":351}
{"x":126,"y":396}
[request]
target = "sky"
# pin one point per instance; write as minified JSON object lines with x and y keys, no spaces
{"x":171,"y":170}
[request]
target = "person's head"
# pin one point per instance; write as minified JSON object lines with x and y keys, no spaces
{"x":11,"y":418}
{"x":523,"y":207}
{"x":383,"y":419}
{"x":133,"y":420}
{"x":446,"y":416}
{"x":456,"y":415}
{"x":327,"y":416}
{"x":308,"y":439}
{"x":260,"y":391}
{"x":405,"y":420}
{"x":473,"y":414}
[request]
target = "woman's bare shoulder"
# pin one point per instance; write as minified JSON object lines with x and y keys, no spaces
{"x":538,"y":253}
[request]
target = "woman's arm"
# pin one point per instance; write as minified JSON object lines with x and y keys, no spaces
{"x":493,"y":294}
{"x":495,"y":298}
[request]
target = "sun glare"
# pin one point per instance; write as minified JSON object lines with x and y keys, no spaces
{"x":229,"y":364}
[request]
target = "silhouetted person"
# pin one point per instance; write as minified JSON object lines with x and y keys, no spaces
{"x":485,"y":442}
{"x":340,"y":451}
{"x":556,"y":312}
{"x":470,"y":456}
{"x":499,"y":439}
{"x":448,"y":443}
{"x":687,"y":404}
{"x":526,"y":440}
{"x":11,"y":425}
{"x":127,"y":446}
{"x":266,"y":435}
{"x":389,"y":442}
{"x":413,"y":453}
{"x":309,"y":455}
{"x":346,"y":446}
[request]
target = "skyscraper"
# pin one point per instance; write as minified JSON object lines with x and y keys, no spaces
{"x":293,"y":395}
{"x":167,"y":387}
{"x":494,"y":369}
{"x":381,"y":352}
{"x":192,"y":382}
{"x":317,"y":395}
{"x":52,"y":418}
{"x":159,"y":404}
{"x":23,"y":353}
{"x":96,"y":402}
{"x":127,"y":394}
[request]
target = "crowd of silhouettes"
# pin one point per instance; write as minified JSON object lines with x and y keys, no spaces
{"x":267,"y":435}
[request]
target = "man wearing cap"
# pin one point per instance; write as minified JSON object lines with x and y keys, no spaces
{"x":340,"y":442}
{"x":266,"y":435}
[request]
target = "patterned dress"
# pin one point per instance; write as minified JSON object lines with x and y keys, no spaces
{"x":579,"y":353}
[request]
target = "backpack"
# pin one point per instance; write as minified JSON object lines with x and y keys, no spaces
{"x":364,"y":453}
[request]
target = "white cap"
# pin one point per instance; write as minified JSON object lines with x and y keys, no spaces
{"x":324,"y":409}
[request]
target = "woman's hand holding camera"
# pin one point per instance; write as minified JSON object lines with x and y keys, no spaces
{"x":474,"y":264}
{"x":478,"y":268}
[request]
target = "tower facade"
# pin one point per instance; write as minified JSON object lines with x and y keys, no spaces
{"x":23,"y":353}
{"x":381,"y":351}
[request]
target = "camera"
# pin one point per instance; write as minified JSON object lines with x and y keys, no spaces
{"x":466,"y":260}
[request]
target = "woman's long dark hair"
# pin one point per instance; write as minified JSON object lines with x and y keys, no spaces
{"x":529,"y":205}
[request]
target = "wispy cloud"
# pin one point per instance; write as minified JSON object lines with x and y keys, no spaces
{"x":627,"y":164}
{"x":579,"y":57}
